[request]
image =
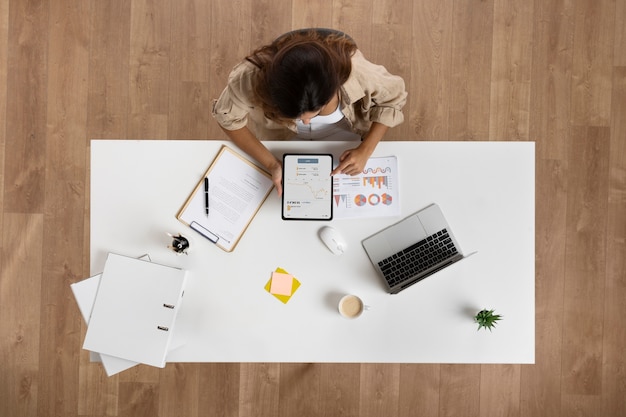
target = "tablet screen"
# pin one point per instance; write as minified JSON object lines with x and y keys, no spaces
{"x":307,"y":187}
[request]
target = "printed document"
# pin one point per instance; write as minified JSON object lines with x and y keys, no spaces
{"x":372,"y":193}
{"x":236,"y":189}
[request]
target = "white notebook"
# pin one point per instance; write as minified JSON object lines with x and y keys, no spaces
{"x":135,"y":310}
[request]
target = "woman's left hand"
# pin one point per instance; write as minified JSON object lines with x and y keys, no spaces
{"x":352,"y":162}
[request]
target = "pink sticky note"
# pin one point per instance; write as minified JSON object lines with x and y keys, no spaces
{"x":281,"y":283}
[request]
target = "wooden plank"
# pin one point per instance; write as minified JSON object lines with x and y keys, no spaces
{"x":68,"y":71}
{"x":305,"y":14}
{"x":26,"y":107}
{"x":219,"y":389}
{"x":585,"y":270}
{"x":299,"y":390}
{"x":592,"y":65}
{"x":68,"y":59}
{"x":149,"y":68}
{"x":550,"y":93}
{"x":60,"y":330}
{"x":500,"y":390}
{"x":98,"y":394}
{"x":189,"y":104}
{"x":426,"y":114}
{"x":20,"y":269}
{"x":511,"y":70}
{"x":229,"y":47}
{"x":139,"y":399}
{"x":189,"y":116}
{"x":340,"y":390}
{"x":349,"y":15}
{"x":419,"y":390}
{"x":230,"y":43}
{"x":393,"y":13}
{"x":393,"y":27}
{"x":464,"y":88}
{"x":459,"y":390}
{"x":142,"y":125}
{"x":380,"y":389}
{"x":190,"y":41}
{"x":259,"y":390}
{"x":4,"y":52}
{"x":272,"y":18}
{"x":619,"y":52}
{"x":179,"y":390}
{"x":142,"y":374}
{"x":614,"y":366}
{"x":109,"y":60}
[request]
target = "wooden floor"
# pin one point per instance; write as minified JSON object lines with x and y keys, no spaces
{"x":549,"y":71}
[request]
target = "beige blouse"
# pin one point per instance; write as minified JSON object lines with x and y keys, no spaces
{"x":371,"y":94}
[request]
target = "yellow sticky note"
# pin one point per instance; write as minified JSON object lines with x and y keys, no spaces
{"x":281,"y":285}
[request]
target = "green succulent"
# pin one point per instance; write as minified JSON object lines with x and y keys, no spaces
{"x":485,"y":318}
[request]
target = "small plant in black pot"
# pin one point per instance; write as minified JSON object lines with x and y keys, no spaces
{"x":486,"y":319}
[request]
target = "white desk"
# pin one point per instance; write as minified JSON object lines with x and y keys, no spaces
{"x":485,"y":189}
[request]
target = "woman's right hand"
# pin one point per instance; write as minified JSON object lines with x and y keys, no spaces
{"x":276,"y":171}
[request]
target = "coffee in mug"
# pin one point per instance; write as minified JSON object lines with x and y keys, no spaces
{"x":351,"y":306}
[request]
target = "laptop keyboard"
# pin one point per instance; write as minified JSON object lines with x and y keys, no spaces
{"x":418,"y":258}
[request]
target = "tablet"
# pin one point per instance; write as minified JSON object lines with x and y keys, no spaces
{"x":307,"y":187}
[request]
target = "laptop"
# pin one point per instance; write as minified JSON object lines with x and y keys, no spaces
{"x":413,"y":249}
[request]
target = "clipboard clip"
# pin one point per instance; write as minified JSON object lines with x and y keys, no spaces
{"x":204,"y":231}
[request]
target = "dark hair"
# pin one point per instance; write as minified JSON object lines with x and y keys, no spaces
{"x":301,"y":71}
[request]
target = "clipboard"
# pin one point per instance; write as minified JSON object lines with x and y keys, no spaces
{"x":237,"y":189}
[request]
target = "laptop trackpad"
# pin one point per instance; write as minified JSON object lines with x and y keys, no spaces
{"x":395,"y":238}
{"x":404,"y":234}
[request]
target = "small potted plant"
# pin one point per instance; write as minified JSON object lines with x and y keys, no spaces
{"x":486,"y":319}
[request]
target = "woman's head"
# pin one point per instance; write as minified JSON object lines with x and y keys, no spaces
{"x":301,"y":72}
{"x":302,"y":78}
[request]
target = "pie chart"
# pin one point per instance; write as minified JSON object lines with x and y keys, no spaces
{"x":374,"y":199}
{"x":360,"y":200}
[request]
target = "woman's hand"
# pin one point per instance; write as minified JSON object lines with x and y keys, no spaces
{"x":276,"y":170}
{"x":249,"y":143}
{"x":352,"y":161}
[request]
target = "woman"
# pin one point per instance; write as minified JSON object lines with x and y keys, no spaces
{"x":309,"y":84}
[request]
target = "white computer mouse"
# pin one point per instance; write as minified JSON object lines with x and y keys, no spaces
{"x":333,"y":240}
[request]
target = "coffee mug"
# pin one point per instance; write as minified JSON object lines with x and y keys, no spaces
{"x":350,"y":306}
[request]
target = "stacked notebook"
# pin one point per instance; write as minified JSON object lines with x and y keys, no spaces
{"x":130,"y":310}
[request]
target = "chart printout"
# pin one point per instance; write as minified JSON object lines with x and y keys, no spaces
{"x":372,"y":193}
